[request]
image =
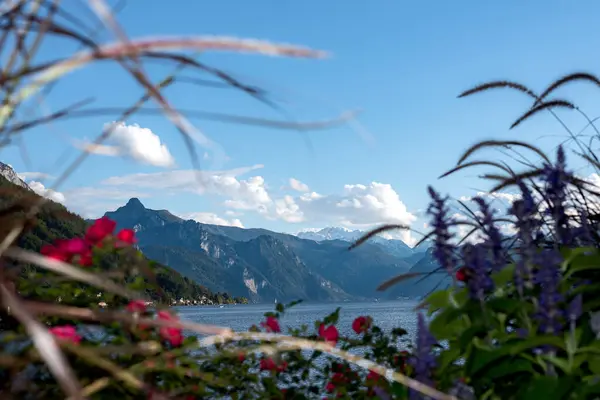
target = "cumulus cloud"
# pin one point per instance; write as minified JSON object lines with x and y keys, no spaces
{"x":357,"y":206}
{"x":241,"y":194}
{"x":40,"y":189}
{"x":133,"y":141}
{"x":212,"y":219}
{"x":298,"y":186}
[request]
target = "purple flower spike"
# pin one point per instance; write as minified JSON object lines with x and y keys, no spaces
{"x":443,"y":249}
{"x":480,"y":283}
{"x":423,"y":361}
{"x":493,"y":236}
{"x":549,"y":314}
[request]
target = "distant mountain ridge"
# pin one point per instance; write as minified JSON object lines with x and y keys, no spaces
{"x":260,"y":264}
{"x":394,"y":246}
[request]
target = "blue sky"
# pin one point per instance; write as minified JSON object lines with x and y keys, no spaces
{"x":402,"y":63}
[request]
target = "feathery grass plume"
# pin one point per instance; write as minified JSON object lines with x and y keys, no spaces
{"x":542,"y":107}
{"x":574,"y":77}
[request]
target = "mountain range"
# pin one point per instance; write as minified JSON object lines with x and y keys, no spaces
{"x":54,"y":222}
{"x":265,"y":266}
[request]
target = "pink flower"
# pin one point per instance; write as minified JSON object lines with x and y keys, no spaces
{"x":171,"y":335}
{"x":126,"y":236}
{"x":271,"y":325}
{"x":138,"y":306}
{"x":330,"y":334}
{"x":66,"y":333}
{"x":361,"y":324}
{"x":101,"y":228}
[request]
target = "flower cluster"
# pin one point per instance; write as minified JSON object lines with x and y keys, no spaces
{"x":80,"y":249}
{"x":443,"y":249}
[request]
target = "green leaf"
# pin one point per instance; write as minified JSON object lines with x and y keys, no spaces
{"x":505,"y":275}
{"x":520,"y":346}
{"x":594,"y":364}
{"x":438,"y":299}
{"x":465,"y":339}
{"x":545,"y":387}
{"x":510,"y":367}
{"x":447,"y":323}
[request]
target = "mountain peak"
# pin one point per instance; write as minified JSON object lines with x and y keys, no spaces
{"x":134,"y":203}
{"x":9,"y":174}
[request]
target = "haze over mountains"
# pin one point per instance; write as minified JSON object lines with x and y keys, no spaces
{"x":265,"y":266}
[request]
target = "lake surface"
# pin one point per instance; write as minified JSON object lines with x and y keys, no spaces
{"x":386,"y":315}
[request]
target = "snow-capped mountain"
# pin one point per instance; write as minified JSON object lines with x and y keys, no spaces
{"x":9,"y":173}
{"x":393,"y":246}
{"x":330,"y":233}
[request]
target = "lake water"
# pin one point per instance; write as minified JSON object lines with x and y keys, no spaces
{"x":386,"y":315}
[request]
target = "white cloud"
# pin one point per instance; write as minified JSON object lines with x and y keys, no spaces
{"x":41,"y":190}
{"x":508,"y":197}
{"x":357,"y":206}
{"x":212,"y":219}
{"x":242,"y":194}
{"x":135,"y":142}
{"x":93,"y":202}
{"x":34,"y":175}
{"x":298,"y":186}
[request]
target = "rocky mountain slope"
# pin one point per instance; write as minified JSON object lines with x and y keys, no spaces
{"x":56,"y":222}
{"x":257,"y":263}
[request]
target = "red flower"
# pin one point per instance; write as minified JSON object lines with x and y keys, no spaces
{"x":338,"y":377}
{"x":271,"y":325}
{"x":373,"y":376}
{"x":330,"y":387}
{"x":171,"y":335}
{"x":66,"y":332}
{"x":462,"y":274}
{"x":72,"y":246}
{"x":52,"y":252}
{"x":330,"y":334}
{"x":241,"y":357}
{"x":361,"y":324}
{"x":101,"y":228}
{"x":138,"y":306}
{"x":85,"y":259}
{"x":268,"y":364}
{"x":126,"y":236}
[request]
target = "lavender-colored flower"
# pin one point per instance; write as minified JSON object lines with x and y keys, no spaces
{"x":443,"y":249}
{"x":527,"y":228}
{"x":493,"y":236}
{"x":423,"y":360}
{"x":556,"y":179}
{"x":462,"y":391}
{"x":479,"y":282}
{"x":382,"y":394}
{"x":549,"y":313}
